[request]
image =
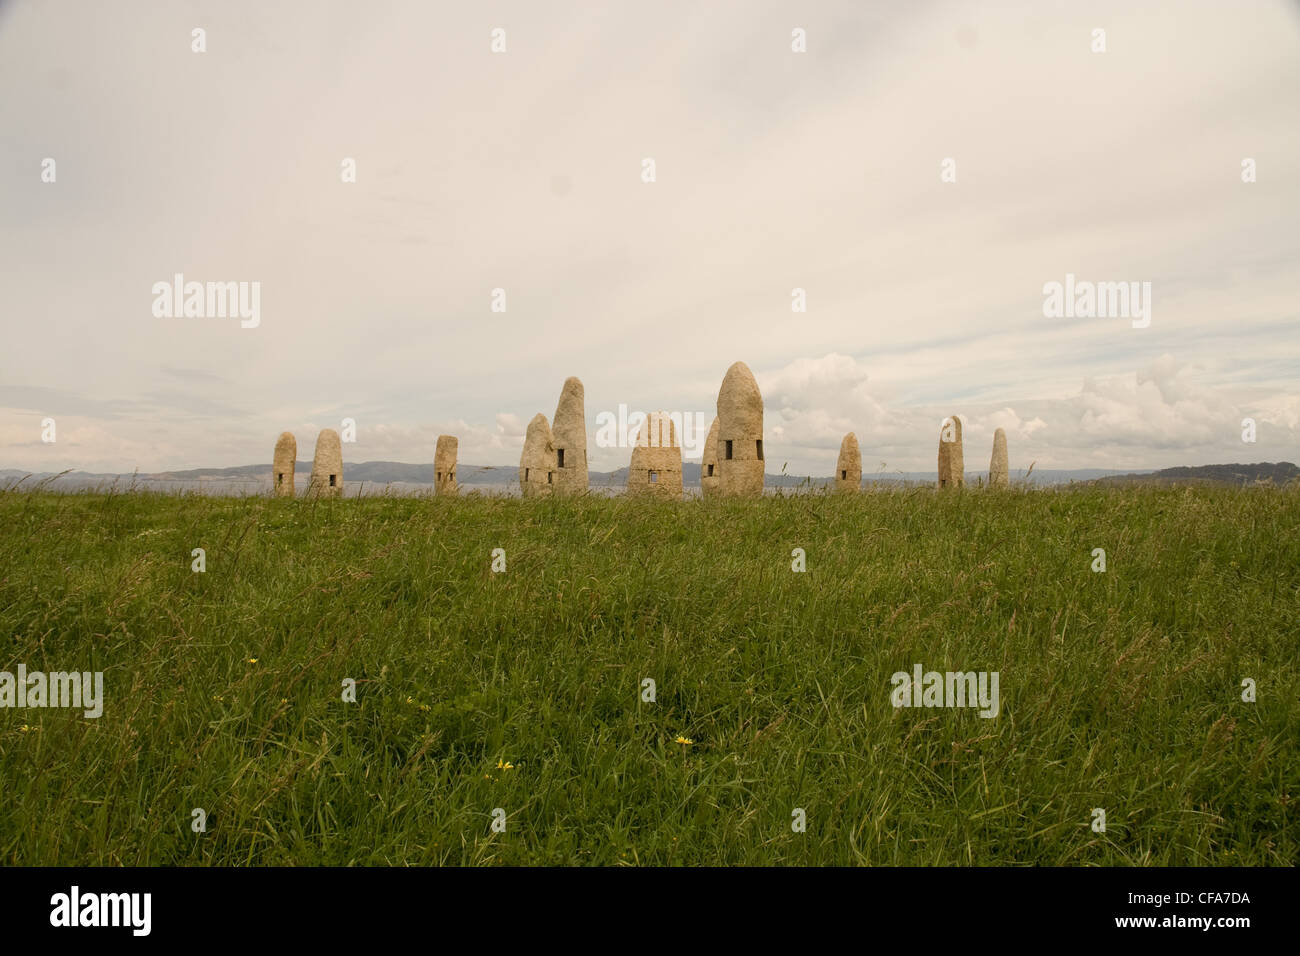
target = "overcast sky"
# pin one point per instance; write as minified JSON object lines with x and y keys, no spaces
{"x":775,"y":170}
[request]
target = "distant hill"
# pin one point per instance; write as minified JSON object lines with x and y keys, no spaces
{"x":396,"y":477}
{"x":1261,"y":473}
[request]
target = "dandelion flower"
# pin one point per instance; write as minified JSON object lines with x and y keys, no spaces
{"x":252,"y":660}
{"x":505,"y":765}
{"x":684,"y":741}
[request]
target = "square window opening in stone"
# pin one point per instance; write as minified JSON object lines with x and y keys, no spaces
{"x":844,"y":476}
{"x":279,"y":478}
{"x":654,"y":477}
{"x":710,"y":471}
{"x":440,"y":476}
{"x":560,"y":453}
{"x":728,"y":449}
{"x":548,"y":478}
{"x":526,"y":470}
{"x":760,"y":449}
{"x":333,"y":481}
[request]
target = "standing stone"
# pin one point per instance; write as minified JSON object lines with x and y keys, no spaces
{"x":709,"y":479}
{"x":570,"y":434}
{"x":327,"y":466}
{"x":537,"y":463}
{"x":656,"y":468}
{"x":848,"y":469}
{"x":286,"y":457}
{"x":952,"y":462}
{"x":740,"y":434}
{"x":998,"y":463}
{"x":444,"y":465}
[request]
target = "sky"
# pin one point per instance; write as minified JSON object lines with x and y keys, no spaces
{"x":524,"y":171}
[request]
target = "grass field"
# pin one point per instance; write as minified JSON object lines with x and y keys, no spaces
{"x":1119,"y":690}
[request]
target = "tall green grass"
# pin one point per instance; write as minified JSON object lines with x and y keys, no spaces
{"x":1119,"y":691}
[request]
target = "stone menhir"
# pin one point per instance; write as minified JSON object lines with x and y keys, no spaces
{"x":537,"y":463}
{"x":740,"y":434}
{"x":848,"y":468}
{"x":327,"y":466}
{"x":656,"y":468}
{"x":952,"y":462}
{"x":286,"y":457}
{"x":570,"y":433}
{"x":444,"y":465}
{"x":998,"y":463}
{"x":709,"y":465}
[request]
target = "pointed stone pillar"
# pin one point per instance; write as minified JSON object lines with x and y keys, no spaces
{"x":570,"y":434}
{"x":952,"y":462}
{"x":998,"y":463}
{"x":283,"y":464}
{"x":740,"y":434}
{"x":327,"y":466}
{"x":848,"y":468}
{"x":537,"y":462}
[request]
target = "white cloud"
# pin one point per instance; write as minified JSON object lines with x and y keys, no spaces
{"x":510,"y":426}
{"x":1155,"y":416}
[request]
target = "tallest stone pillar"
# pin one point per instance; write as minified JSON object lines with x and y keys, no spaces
{"x":740,"y":434}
